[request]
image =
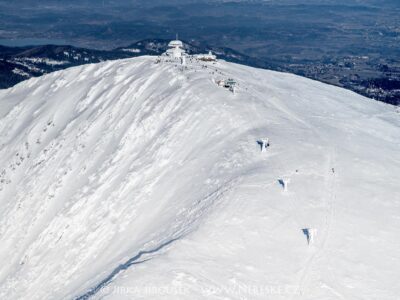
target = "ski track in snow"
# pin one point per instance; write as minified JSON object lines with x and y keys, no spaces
{"x":329,"y":218}
{"x":127,"y":173}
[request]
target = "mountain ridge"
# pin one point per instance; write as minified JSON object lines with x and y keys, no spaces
{"x":138,"y":173}
{"x":19,"y":63}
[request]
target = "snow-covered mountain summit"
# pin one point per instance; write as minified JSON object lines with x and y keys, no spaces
{"x":134,"y":179}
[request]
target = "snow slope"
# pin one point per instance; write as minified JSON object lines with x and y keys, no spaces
{"x":136,"y":180}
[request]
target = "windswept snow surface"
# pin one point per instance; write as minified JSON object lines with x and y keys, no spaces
{"x":136,"y":180}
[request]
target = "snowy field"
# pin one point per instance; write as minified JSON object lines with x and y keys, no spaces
{"x":140,"y":180}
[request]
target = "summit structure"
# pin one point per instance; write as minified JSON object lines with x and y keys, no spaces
{"x":175,"y":49}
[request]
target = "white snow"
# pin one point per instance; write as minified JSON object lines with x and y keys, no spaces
{"x":132,"y":50}
{"x":42,"y":60}
{"x":20,"y":72}
{"x":136,"y":180}
{"x":27,"y":65}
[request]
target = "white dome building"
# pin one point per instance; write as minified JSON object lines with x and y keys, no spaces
{"x":175,"y":49}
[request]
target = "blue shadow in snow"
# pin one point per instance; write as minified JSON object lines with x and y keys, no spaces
{"x":281,"y":182}
{"x":120,"y":268}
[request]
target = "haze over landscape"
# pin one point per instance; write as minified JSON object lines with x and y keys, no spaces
{"x":353,"y":44}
